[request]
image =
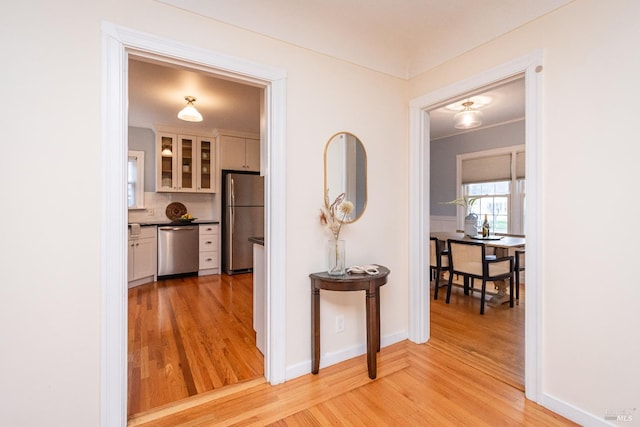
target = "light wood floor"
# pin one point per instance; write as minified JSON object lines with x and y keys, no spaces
{"x":188,"y":336}
{"x":431,"y":384}
{"x":492,"y":343}
{"x":417,"y":385}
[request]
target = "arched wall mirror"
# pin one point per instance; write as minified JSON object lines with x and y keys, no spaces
{"x":345,"y":171}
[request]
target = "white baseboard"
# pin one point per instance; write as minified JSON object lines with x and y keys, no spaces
{"x":574,"y":413}
{"x":328,"y":359}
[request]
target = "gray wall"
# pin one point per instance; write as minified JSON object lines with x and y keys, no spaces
{"x":141,"y":139}
{"x":443,"y":159}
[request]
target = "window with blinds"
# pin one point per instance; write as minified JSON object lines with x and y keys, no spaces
{"x":496,"y":179}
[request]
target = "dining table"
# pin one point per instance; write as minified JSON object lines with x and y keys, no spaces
{"x":501,"y":243}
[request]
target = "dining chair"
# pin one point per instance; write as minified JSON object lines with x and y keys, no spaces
{"x":470,"y":260}
{"x":438,"y":262}
{"x":519,"y":265}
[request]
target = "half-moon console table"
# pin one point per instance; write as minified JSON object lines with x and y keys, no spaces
{"x":349,"y":282}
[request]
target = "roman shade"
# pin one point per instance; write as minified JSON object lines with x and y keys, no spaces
{"x":520,"y":165}
{"x":492,"y":168}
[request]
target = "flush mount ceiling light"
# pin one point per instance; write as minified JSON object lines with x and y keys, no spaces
{"x":189,"y":113}
{"x":467,"y":118}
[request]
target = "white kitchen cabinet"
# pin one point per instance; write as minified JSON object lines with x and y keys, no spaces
{"x":185,"y":163}
{"x":141,"y":256}
{"x":239,"y":153}
{"x":208,"y":250}
{"x":206,"y":165}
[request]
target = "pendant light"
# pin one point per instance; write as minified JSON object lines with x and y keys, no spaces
{"x":467,"y":118}
{"x":189,"y":113}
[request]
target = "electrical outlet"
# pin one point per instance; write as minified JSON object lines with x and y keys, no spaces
{"x":339,"y":323}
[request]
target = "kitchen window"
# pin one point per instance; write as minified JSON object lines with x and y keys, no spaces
{"x":135,"y":180}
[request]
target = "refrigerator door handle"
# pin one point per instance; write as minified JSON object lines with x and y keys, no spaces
{"x":232,"y":214}
{"x":232,"y":194}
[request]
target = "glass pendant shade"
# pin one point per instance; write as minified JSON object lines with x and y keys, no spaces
{"x":467,"y":118}
{"x":189,"y":113}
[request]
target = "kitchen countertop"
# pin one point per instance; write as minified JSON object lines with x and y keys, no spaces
{"x":168,"y":222}
{"x":257,"y":240}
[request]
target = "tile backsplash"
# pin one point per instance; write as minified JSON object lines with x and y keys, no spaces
{"x":202,"y":206}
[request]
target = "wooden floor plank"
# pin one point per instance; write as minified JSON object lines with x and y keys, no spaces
{"x":493,"y":342}
{"x":189,"y":335}
{"x":424,"y":387}
{"x":455,"y":379}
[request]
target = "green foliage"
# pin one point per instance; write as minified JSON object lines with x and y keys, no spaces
{"x":465,"y":202}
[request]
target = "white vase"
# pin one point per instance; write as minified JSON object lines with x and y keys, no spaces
{"x":336,"y":257}
{"x":471,"y":225}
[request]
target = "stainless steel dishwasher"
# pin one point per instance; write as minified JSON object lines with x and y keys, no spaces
{"x":177,"y":249}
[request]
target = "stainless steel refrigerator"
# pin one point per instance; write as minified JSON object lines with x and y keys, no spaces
{"x":243,"y":217}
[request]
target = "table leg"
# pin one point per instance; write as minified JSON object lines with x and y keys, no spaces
{"x":378,"y":320}
{"x":372,"y":333}
{"x":501,"y":297}
{"x":315,"y":329}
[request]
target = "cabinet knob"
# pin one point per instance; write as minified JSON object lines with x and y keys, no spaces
{"x":209,"y":259}
{"x":209,"y":242}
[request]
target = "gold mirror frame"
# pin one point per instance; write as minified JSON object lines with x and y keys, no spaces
{"x":345,"y":168}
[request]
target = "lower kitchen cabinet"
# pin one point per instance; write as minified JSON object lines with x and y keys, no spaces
{"x":142,"y":256}
{"x":209,"y":259}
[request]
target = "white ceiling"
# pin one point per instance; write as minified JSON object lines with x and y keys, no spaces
{"x":398,"y":37}
{"x":157,"y":91}
{"x":505,"y":103}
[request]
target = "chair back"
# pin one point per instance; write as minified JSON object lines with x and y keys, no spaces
{"x":436,"y":255}
{"x":433,"y":251}
{"x":466,"y":257}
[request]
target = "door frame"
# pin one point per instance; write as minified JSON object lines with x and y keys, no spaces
{"x":419,"y":205}
{"x":117,"y":43}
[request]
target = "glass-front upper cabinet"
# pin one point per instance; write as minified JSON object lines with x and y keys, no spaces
{"x":187,"y":163}
{"x":205,"y":166}
{"x":166,"y":155}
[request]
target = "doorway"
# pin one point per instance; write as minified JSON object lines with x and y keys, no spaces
{"x":118,"y":42}
{"x":493,"y":343}
{"x":419,"y":184}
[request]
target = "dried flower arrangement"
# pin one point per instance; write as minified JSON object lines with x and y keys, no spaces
{"x":334,"y":215}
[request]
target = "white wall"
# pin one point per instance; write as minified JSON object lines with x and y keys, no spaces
{"x":50,"y":288}
{"x":590,"y":301}
{"x":50,"y":294}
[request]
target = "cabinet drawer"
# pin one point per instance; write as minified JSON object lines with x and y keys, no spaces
{"x":208,"y":260}
{"x":208,"y":243}
{"x":208,"y":229}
